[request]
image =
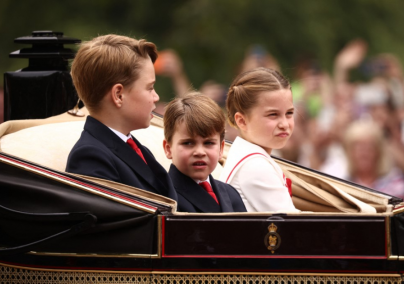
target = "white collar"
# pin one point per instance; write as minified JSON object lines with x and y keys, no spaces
{"x":199,"y":181}
{"x":121,"y":135}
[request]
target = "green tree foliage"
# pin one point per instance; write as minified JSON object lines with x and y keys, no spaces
{"x":212,"y":36}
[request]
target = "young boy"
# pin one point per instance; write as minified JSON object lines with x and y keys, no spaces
{"x":194,"y":139}
{"x":114,"y":77}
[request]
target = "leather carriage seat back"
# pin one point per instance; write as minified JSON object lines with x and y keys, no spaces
{"x":48,"y":141}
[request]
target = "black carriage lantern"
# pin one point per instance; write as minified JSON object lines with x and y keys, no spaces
{"x":45,"y":87}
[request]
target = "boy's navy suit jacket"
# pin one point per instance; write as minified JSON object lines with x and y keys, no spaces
{"x":101,"y":153}
{"x":194,"y":198}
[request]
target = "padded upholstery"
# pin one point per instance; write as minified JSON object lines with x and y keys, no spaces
{"x":50,"y":144}
{"x":47,"y":145}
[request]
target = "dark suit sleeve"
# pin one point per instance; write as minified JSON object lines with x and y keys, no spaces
{"x":92,"y":161}
{"x":236,"y":201}
{"x":183,"y":205}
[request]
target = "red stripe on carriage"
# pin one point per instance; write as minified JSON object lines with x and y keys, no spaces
{"x":277,"y":256}
{"x":163,"y":231}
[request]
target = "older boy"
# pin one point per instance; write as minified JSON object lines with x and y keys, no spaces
{"x":194,"y":139}
{"x":114,"y":77}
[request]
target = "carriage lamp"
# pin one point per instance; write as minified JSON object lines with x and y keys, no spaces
{"x":45,"y":87}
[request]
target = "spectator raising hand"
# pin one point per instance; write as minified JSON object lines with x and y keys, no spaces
{"x":348,"y":58}
{"x":169,"y":64}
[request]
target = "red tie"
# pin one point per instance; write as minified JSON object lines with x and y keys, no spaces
{"x":208,"y":188}
{"x":288,"y":183}
{"x":133,"y":145}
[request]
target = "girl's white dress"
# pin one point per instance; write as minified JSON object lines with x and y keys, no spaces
{"x":257,"y":177}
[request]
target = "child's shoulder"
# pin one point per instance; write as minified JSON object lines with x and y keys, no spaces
{"x":231,"y":191}
{"x":254,"y":162}
{"x":222,"y":185}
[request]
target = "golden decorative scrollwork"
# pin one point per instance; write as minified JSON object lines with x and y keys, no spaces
{"x":11,"y":275}
{"x":270,"y":279}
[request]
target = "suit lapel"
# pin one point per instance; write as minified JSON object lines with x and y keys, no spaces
{"x":222,"y":195}
{"x":133,"y":160}
{"x":127,"y":154}
{"x":158,"y":176}
{"x":193,"y":192}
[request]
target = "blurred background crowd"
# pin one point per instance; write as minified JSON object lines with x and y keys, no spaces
{"x":347,"y":125}
{"x":343,"y":58}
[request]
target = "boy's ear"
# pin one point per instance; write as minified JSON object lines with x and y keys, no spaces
{"x":167,"y":149}
{"x":240,"y":120}
{"x":117,"y":94}
{"x":221,"y":149}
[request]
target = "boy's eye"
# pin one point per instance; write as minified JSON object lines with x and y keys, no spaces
{"x":290,"y":113}
{"x":210,"y":143}
{"x":186,"y":143}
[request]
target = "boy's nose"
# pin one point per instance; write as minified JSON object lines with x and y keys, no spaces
{"x":198,"y":151}
{"x":156,"y":97}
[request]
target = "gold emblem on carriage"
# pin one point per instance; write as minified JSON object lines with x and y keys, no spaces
{"x":272,"y":238}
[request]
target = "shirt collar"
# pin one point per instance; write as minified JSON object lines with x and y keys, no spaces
{"x":198,"y":181}
{"x":121,"y":135}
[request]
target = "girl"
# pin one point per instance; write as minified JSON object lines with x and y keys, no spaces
{"x":260,"y":105}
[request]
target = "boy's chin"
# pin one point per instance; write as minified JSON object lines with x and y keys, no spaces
{"x":200,"y":177}
{"x":144,"y":125}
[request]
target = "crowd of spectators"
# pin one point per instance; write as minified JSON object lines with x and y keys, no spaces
{"x":348,"y":123}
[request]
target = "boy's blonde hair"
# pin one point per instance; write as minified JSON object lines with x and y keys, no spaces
{"x":244,"y":91}
{"x":105,"y":61}
{"x":201,"y":115}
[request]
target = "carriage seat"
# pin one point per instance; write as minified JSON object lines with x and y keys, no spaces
{"x":48,"y":141}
